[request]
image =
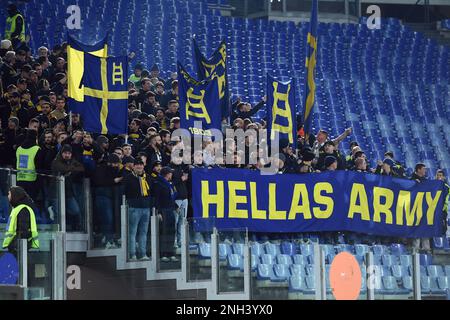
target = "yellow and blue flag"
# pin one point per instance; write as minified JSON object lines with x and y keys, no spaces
{"x":75,"y":63}
{"x":311,"y":61}
{"x":215,"y":67}
{"x":105,"y":105}
{"x":199,"y":101}
{"x":281,"y":110}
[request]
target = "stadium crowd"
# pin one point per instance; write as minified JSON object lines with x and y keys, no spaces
{"x":39,"y":135}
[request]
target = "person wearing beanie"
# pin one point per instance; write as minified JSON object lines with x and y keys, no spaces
{"x":15,"y":120}
{"x":245,"y":110}
{"x":290,"y":162}
{"x":14,"y":107}
{"x":159,"y":90}
{"x":306,"y":165}
{"x":135,"y":135}
{"x":397,"y":168}
{"x":128,"y":164}
{"x":163,"y":121}
{"x":101,"y":149}
{"x":172,"y":94}
{"x":330,"y":163}
{"x":387,"y":167}
{"x":155,"y":72}
{"x":180,"y":179}
{"x":64,"y":164}
{"x":164,"y":196}
{"x":105,"y":179}
{"x":137,"y":192}
{"x":329,"y":149}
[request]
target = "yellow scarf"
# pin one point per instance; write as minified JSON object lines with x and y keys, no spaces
{"x":144,"y":185}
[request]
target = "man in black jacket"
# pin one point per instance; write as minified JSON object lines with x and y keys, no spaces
{"x":72,"y":170}
{"x":137,"y":192}
{"x":105,"y":177}
{"x":330,"y":150}
{"x":165,"y":195}
{"x":245,"y":110}
{"x":154,"y":149}
{"x":180,"y":178}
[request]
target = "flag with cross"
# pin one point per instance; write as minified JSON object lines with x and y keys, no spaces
{"x":105,"y":106}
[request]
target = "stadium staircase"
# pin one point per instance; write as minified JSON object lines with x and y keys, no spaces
{"x":429,"y":30}
{"x":101,"y":280}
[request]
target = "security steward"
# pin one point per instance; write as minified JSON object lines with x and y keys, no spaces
{"x":15,"y":27}
{"x":21,"y":222}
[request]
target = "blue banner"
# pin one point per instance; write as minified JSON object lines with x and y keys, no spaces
{"x":281,"y":110}
{"x":105,"y":106}
{"x":215,"y":67}
{"x":329,"y":201}
{"x":199,"y":101}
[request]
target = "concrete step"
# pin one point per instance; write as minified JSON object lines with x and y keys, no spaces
{"x":429,"y":31}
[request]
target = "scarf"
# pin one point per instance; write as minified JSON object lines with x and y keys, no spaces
{"x":143,"y":184}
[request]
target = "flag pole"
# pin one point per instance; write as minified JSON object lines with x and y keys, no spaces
{"x":70,"y":122}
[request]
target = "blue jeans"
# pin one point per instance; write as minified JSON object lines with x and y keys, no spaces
{"x":138,"y":221}
{"x":179,"y":216}
{"x":73,"y":214}
{"x":167,"y":233}
{"x":104,"y":210}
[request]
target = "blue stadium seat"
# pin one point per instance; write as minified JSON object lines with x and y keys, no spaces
{"x":425,"y":284}
{"x":264,"y":272}
{"x":267,"y":259}
{"x":297,"y":284}
{"x":204,"y":250}
{"x":300,"y":259}
{"x":361,"y":249}
{"x":297,"y":270}
{"x":379,"y":249}
{"x":238,"y":248}
{"x":389,"y":260}
{"x":284,"y":259}
{"x":443,"y":283}
{"x":272,"y":249}
{"x":398,"y":249}
{"x":281,"y":272}
{"x":235,"y":262}
{"x":224,"y":250}
{"x":425,"y":259}
{"x":435,"y":271}
{"x":405,"y":260}
{"x":257,"y":249}
{"x":306,"y":249}
{"x":288,"y":248}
